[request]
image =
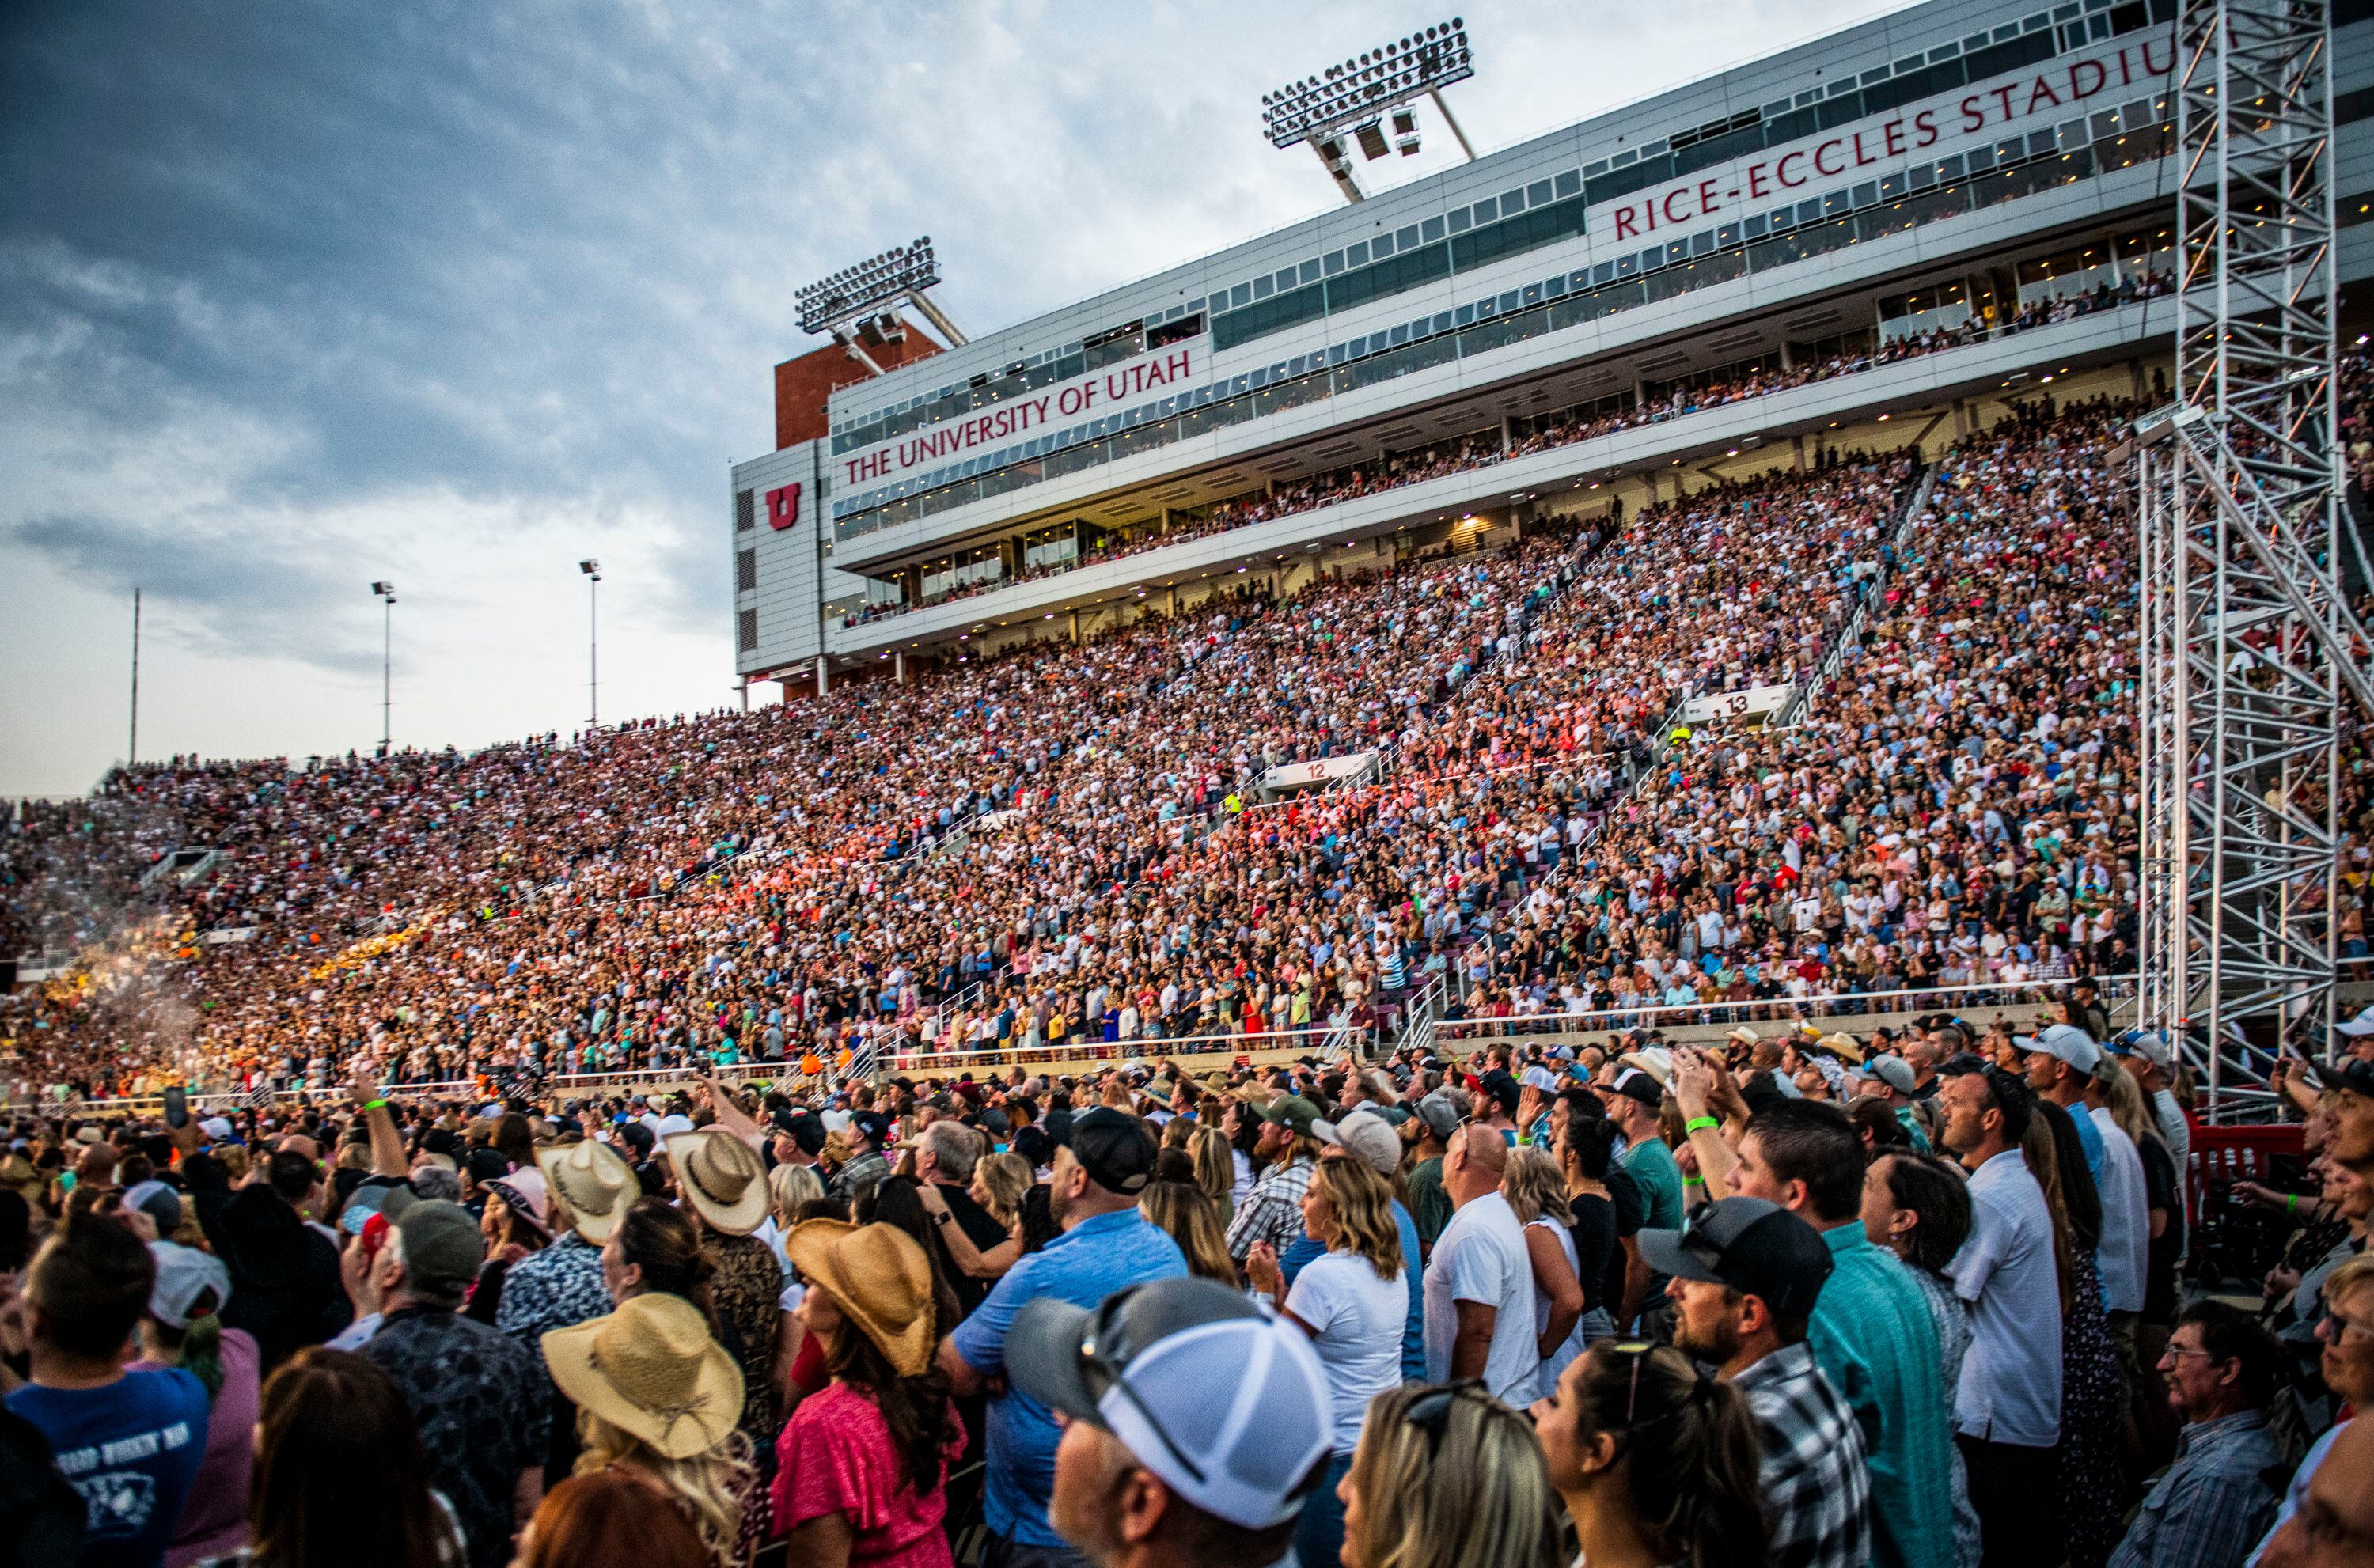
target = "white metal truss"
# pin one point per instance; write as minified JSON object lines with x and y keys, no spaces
{"x":2250,"y":658}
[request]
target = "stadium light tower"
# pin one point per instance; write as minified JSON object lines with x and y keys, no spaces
{"x":385,"y":592}
{"x":593,"y":570}
{"x":844,"y":302}
{"x":1351,"y":104}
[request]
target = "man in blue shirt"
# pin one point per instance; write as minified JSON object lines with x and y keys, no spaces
{"x":129,"y":1442}
{"x":1106,"y":1245}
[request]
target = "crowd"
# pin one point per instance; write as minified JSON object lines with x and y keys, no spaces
{"x":1476,"y":449}
{"x":1067,"y":846}
{"x":1645,"y":1302}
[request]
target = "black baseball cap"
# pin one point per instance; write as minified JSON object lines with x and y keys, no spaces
{"x":2349,"y":1073}
{"x":1113,"y":1149}
{"x":873,"y":1126}
{"x":1755,"y":1246}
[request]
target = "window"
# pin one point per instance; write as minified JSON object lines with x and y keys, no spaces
{"x":745,"y":571}
{"x":745,"y":510}
{"x":745,"y":630}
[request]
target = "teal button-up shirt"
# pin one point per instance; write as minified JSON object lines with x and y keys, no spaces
{"x":1874,"y":1339}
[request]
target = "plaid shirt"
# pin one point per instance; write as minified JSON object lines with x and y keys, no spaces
{"x":1816,"y":1487}
{"x":1272,"y":1211}
{"x":2214,"y":1504}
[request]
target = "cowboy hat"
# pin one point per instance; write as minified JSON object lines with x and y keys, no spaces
{"x":719,"y":1176}
{"x":593,"y":1184}
{"x":652,"y":1369}
{"x":1654,"y":1061}
{"x":880,"y":1279}
{"x":1842,"y":1046}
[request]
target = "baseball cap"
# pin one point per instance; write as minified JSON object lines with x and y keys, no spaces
{"x":160,"y":1202}
{"x":873,"y":1126}
{"x":1364,"y":1135}
{"x":2150,"y":1044}
{"x":1441,"y":1116}
{"x":184,"y":1275}
{"x":2065,"y":1041}
{"x":2361,"y":1024}
{"x":2352,"y":1074}
{"x":1892,"y":1071}
{"x":1751,"y":1245}
{"x":1113,"y":1149}
{"x":1635,"y":1085}
{"x":442,"y":1248}
{"x":1226,"y":1404}
{"x":217,"y":1127}
{"x":1292,"y":1112}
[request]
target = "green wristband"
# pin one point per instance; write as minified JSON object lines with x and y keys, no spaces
{"x":374,"y":1105}
{"x":2291,"y":1203}
{"x":1698,"y":1121}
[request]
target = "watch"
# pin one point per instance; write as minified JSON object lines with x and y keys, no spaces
{"x":942,"y":1218}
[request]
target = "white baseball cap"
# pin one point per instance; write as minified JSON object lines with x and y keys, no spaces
{"x":1226,"y":1403}
{"x":2068,"y":1042}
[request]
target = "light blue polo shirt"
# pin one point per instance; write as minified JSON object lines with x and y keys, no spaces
{"x":1083,"y":1266}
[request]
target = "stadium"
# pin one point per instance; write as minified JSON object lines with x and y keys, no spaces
{"x":1372,"y":573}
{"x":1655,"y":849}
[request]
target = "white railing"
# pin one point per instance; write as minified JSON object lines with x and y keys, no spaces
{"x":2117,"y":993}
{"x":1097,"y":1054}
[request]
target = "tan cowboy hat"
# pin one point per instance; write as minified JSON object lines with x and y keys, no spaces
{"x":720,"y":1175}
{"x":1745,"y":1035}
{"x":650,"y":1368}
{"x":1654,"y":1061}
{"x":1841,"y":1046}
{"x":593,"y":1184}
{"x":879,"y":1277}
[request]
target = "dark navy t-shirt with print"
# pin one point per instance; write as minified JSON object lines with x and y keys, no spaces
{"x":132,"y":1449}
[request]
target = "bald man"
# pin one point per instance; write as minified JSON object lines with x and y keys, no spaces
{"x":1479,"y":1281}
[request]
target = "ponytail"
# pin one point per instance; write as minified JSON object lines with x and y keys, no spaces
{"x":201,"y":1353}
{"x":1692,"y":1460}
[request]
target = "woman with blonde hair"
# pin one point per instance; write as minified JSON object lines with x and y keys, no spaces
{"x":1187,"y":1215}
{"x":1000,"y":1182}
{"x":1656,"y":1462}
{"x":1353,"y":1302}
{"x":1216,"y":1170}
{"x":1535,"y":1189}
{"x":658,"y":1396}
{"x":1449,"y":1478}
{"x":788,"y":1188}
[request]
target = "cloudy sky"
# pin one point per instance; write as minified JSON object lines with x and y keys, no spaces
{"x":297,"y":296}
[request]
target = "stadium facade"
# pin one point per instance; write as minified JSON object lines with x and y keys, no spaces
{"x":1869,"y":232}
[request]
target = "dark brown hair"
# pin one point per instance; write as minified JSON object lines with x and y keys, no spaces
{"x":90,"y":1284}
{"x":339,"y":1450}
{"x":656,"y":1237}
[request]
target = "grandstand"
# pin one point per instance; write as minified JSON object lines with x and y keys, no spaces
{"x":1668,"y":571}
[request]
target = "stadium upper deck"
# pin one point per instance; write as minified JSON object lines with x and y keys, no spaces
{"x":1916,"y":210}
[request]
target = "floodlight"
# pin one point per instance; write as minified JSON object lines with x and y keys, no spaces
{"x":1368,"y":85}
{"x":855,"y":292}
{"x":1352,"y":100}
{"x":590,"y":568}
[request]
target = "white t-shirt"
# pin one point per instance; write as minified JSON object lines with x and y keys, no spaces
{"x":1355,"y":1319}
{"x":2010,"y":1390}
{"x":1481,"y":1257}
{"x":2126,"y":1218}
{"x":1571,"y":1346}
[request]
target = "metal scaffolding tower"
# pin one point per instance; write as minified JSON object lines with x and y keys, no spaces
{"x":2250,"y":657}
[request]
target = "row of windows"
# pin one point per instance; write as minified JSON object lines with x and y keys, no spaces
{"x":2010,"y":47}
{"x":1979,"y":178}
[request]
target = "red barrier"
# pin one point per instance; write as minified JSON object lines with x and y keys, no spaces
{"x":2236,"y":1153}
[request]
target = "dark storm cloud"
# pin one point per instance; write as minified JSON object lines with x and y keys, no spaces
{"x":511,"y":253}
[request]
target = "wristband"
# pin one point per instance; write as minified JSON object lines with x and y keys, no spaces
{"x":378,"y":1104}
{"x":1698,"y":1121}
{"x":1694,"y":1181}
{"x":2291,"y":1202}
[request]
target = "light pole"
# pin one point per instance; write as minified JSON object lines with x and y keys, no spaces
{"x":593,"y":570}
{"x":386,"y":592}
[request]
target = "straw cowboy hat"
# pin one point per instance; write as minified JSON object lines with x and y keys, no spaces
{"x":721,"y":1176}
{"x":1842,"y":1046}
{"x":1654,"y":1061}
{"x":879,"y":1277}
{"x":650,"y":1368}
{"x":594,"y":1186}
{"x":1743,"y":1035}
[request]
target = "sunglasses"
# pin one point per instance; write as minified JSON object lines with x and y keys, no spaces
{"x":1430,"y":1411}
